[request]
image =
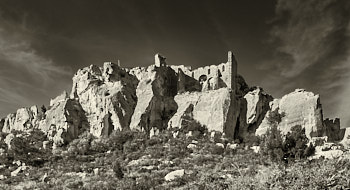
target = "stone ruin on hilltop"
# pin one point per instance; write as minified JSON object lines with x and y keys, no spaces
{"x":161,"y":96}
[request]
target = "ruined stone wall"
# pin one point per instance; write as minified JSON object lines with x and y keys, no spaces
{"x":226,"y":71}
{"x":332,"y":130}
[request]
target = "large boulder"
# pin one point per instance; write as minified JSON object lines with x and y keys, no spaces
{"x":214,"y":109}
{"x":23,"y":119}
{"x":64,"y":121}
{"x":155,"y":98}
{"x":300,"y":108}
{"x":105,"y":94}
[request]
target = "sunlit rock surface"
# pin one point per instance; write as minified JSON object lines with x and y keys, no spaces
{"x":300,"y":108}
{"x":212,"y":109}
{"x":155,"y":98}
{"x":23,"y":119}
{"x":105,"y":94}
{"x":257,"y":107}
{"x":64,"y":122}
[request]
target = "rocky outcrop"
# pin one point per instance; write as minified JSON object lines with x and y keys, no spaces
{"x":257,"y":106}
{"x":213,"y":109}
{"x":59,"y":98}
{"x":23,"y":119}
{"x":155,"y":98}
{"x":104,"y":91}
{"x":300,"y":108}
{"x":64,"y":122}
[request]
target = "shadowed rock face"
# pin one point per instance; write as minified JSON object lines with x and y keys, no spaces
{"x":155,"y":93}
{"x":103,"y":91}
{"x":332,"y":130}
{"x":64,"y":121}
{"x":257,"y":107}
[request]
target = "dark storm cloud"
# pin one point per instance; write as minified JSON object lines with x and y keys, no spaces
{"x":312,"y":40}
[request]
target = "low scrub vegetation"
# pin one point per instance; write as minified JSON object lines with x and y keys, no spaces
{"x":131,"y":160}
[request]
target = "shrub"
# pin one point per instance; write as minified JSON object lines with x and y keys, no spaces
{"x":293,"y":147}
{"x":81,"y":145}
{"x":272,"y":144}
{"x":118,"y":171}
{"x":274,"y":117}
{"x":27,"y":148}
{"x":295,"y":144}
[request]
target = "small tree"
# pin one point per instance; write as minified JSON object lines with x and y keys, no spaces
{"x":295,"y":145}
{"x":272,"y":144}
{"x":118,"y":170}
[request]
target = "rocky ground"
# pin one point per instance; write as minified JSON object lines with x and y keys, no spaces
{"x":130,"y":160}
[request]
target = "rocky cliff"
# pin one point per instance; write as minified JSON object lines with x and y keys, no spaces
{"x":155,"y":93}
{"x":105,"y":94}
{"x":298,"y":108}
{"x":154,"y":98}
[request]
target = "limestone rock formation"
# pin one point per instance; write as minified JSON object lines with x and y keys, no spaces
{"x":300,"y":108}
{"x":155,"y":98}
{"x":23,"y":119}
{"x":213,"y":109}
{"x":108,"y":91}
{"x":257,"y":105}
{"x":64,"y":122}
{"x":159,"y":96}
{"x":59,"y":98}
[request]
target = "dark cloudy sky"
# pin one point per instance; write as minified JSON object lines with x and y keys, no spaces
{"x":280,"y":45}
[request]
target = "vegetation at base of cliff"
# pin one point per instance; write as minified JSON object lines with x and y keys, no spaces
{"x":130,"y":160}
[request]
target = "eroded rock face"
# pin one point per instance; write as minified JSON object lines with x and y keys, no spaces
{"x":103,"y":91}
{"x":155,"y":98}
{"x":59,"y":98}
{"x":23,"y":119}
{"x":213,"y":109}
{"x":64,"y":121}
{"x":301,"y":108}
{"x":257,"y":106}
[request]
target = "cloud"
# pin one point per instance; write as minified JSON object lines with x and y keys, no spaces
{"x":311,"y":39}
{"x":26,"y":77}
